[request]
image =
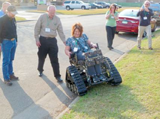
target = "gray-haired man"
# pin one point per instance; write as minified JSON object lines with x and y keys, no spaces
{"x":45,"y":33}
{"x":145,"y":17}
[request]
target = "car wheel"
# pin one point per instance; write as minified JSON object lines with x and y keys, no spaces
{"x":67,"y":8}
{"x":83,"y":7}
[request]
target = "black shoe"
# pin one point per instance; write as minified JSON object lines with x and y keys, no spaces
{"x":40,"y":74}
{"x":59,"y":79}
{"x":7,"y":82}
{"x":139,"y":47}
{"x":150,"y":48}
{"x":110,"y":48}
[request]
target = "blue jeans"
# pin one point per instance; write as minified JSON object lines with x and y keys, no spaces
{"x":8,"y":51}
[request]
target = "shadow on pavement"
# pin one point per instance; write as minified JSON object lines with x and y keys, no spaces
{"x":118,"y":51}
{"x":22,"y":105}
{"x":64,"y":98}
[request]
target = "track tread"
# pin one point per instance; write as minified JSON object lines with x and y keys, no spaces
{"x":114,"y":73}
{"x":77,"y":81}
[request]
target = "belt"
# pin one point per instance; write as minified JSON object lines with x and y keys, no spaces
{"x":47,"y":37}
{"x":12,"y":39}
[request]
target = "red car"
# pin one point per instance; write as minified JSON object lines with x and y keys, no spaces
{"x":128,"y":21}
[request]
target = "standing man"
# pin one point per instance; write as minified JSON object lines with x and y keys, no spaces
{"x":3,"y":12}
{"x":4,"y":8}
{"x":8,"y":43}
{"x":45,"y":35}
{"x":145,"y":17}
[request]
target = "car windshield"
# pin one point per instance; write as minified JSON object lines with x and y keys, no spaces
{"x":129,"y":13}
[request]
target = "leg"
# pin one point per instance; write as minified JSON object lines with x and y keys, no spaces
{"x":149,"y":34}
{"x":13,"y":50}
{"x":53,"y":55}
{"x":141,"y":30}
{"x":109,"y":36}
{"x":42,"y":53}
{"x":6,"y":51}
{"x":113,"y":34}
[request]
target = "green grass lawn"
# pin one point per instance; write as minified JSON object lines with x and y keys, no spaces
{"x":20,"y":18}
{"x":84,"y":12}
{"x":138,"y":97}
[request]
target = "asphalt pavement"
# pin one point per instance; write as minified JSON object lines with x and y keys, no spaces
{"x":34,"y":97}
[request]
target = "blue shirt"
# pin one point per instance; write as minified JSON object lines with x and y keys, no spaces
{"x":1,"y":13}
{"x":78,"y":43}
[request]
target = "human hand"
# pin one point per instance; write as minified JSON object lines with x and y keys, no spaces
{"x":38,"y":43}
{"x":69,"y":54}
{"x":146,"y":9}
{"x":141,"y":9}
{"x":112,"y":14}
{"x":94,"y":45}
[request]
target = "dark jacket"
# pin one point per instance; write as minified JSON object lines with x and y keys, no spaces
{"x":7,"y":28}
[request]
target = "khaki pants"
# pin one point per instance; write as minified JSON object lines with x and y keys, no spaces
{"x":141,"y":30}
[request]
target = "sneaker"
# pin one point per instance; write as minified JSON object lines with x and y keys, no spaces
{"x":7,"y":82}
{"x":139,"y":47}
{"x":59,"y":79}
{"x":13,"y":77}
{"x":151,"y":48}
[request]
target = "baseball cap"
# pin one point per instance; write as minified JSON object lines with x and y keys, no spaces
{"x":12,"y":9}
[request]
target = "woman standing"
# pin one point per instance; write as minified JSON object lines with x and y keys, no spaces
{"x":111,"y":17}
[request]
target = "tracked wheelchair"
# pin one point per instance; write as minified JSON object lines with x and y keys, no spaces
{"x":78,"y":80}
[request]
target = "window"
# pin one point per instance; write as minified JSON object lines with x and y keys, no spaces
{"x":73,"y":2}
{"x":67,"y":2}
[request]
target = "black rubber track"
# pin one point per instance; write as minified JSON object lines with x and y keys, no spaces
{"x":114,"y":74}
{"x":75,"y":82}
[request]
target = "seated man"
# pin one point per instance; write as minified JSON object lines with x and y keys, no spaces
{"x":79,"y":44}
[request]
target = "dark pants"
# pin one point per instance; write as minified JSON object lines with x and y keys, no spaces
{"x":91,"y":70}
{"x":110,"y":35}
{"x":48,"y":46}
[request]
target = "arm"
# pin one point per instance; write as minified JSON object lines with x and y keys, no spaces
{"x":67,"y":51}
{"x":1,"y":24}
{"x":37,"y":30}
{"x":60,"y":32}
{"x":108,"y":15}
{"x":92,"y":45}
{"x":16,"y":29}
{"x":151,"y":12}
{"x":115,"y":16}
